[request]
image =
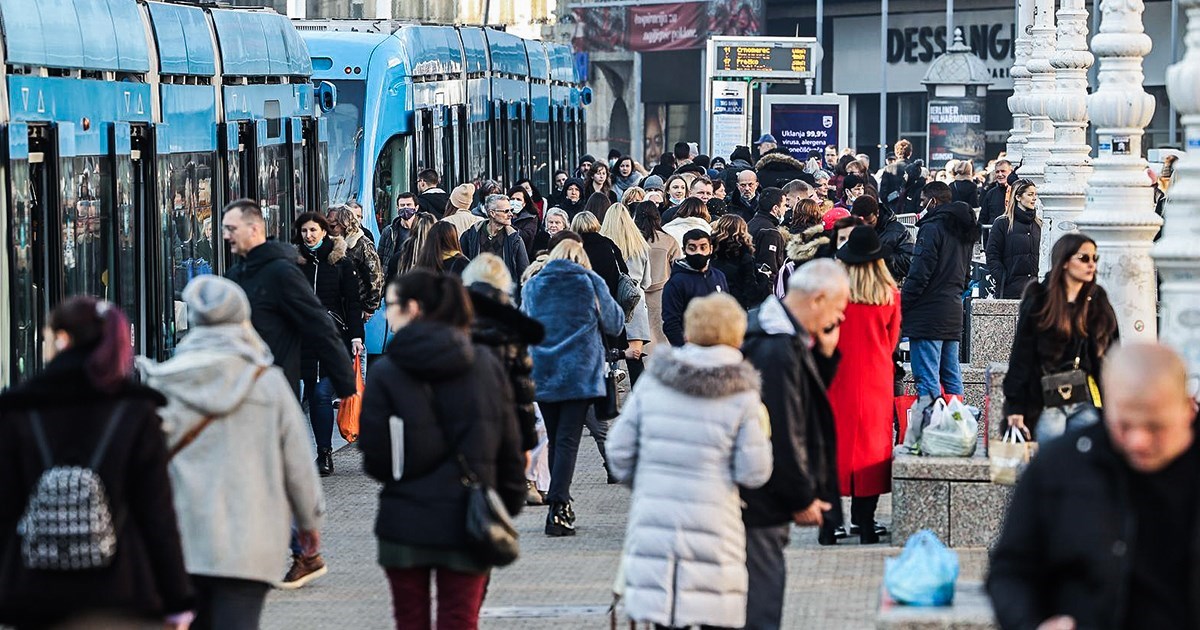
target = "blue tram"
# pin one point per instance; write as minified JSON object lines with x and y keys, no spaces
{"x":126,"y":125}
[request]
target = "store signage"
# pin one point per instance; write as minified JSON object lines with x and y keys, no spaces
{"x":806,"y":124}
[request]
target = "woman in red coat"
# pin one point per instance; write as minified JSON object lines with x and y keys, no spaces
{"x":861,"y":392}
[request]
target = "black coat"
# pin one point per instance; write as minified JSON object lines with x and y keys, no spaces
{"x":931,"y":299}
{"x":1036,"y":352}
{"x":895,"y":235}
{"x":606,"y":258}
{"x":966,"y":191}
{"x":390,"y":242}
{"x":741,"y":206}
{"x":684,"y":284}
{"x":147,"y":577}
{"x":284,"y":311}
{"x":1068,"y":544}
{"x":991,"y":204}
{"x":432,"y":377}
{"x":893,"y":187}
{"x":527,"y":225}
{"x":770,"y":247}
{"x":746,"y":284}
{"x":332,"y":278}
{"x":794,"y":384}
{"x":509,"y":332}
{"x":777,"y":169}
{"x":1012,"y":256}
{"x":434,"y":201}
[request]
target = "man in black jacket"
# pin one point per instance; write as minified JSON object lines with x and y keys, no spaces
{"x":691,"y":277}
{"x":283,"y":307}
{"x":891,"y":232}
{"x":1104,"y":527}
{"x":932,"y":296}
{"x":769,"y":246}
{"x":743,"y":200}
{"x":430,"y":197}
{"x":398,"y":230}
{"x":497,"y":236}
{"x":993,"y":202}
{"x":793,"y":343}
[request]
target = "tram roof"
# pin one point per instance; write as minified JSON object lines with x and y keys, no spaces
{"x":82,"y":34}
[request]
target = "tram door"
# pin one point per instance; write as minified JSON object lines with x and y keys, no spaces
{"x":140,"y":252}
{"x":27,"y":278}
{"x":315,"y":148}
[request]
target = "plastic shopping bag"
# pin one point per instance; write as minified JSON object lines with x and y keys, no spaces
{"x":1009,"y":457}
{"x":920,"y":415}
{"x":952,"y":431}
{"x":351,"y":407}
{"x":923,"y":574}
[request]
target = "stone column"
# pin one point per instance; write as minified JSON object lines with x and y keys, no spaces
{"x":1120,"y":203}
{"x":1178,"y":253}
{"x":1070,"y":164}
{"x":1020,"y":74}
{"x":1041,"y":130}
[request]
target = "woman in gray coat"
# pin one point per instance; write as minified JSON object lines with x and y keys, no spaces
{"x":692,"y":431}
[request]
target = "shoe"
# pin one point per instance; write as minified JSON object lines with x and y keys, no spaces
{"x":304,"y":570}
{"x":611,"y":479}
{"x":533,"y":496}
{"x":826,"y":537}
{"x":569,"y":510}
{"x":841,"y":532}
{"x":880,"y":530}
{"x":866,"y":538}
{"x":325,"y":461}
{"x":557,"y":523}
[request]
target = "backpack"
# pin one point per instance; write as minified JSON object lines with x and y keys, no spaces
{"x":68,"y":524}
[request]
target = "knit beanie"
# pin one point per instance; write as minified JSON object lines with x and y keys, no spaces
{"x":213,"y":300}
{"x":462,"y":196}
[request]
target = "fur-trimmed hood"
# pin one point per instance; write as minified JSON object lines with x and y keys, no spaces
{"x":332,"y":250}
{"x":778,"y":162}
{"x":803,"y":247}
{"x":705,"y":372}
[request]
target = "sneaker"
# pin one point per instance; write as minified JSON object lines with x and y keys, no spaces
{"x":303,"y":571}
{"x":533,"y":496}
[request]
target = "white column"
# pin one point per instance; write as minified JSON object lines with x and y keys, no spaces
{"x":297,"y":9}
{"x":1120,"y":203}
{"x":383,"y":9}
{"x":1070,"y":164}
{"x":1041,"y":130}
{"x":1020,"y":75}
{"x":1178,"y":253}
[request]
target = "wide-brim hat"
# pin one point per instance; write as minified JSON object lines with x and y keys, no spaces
{"x":863,"y":247}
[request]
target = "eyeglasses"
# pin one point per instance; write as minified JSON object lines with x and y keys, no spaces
{"x":1088,"y":259}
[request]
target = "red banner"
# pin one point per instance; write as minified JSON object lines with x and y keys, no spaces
{"x":664,"y":26}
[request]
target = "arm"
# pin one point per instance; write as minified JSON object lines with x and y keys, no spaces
{"x":510,"y":458}
{"x":752,"y":463}
{"x":1023,"y":363}
{"x":902,"y":255}
{"x":622,"y":444}
{"x":673,"y":303}
{"x":924,"y":261}
{"x":300,"y":478}
{"x":1014,"y":581}
{"x":374,"y":432}
{"x":995,"y":254}
{"x":520,"y":260}
{"x":782,"y":395}
{"x":769,"y":250}
{"x":371,"y":275}
{"x":304,"y":312}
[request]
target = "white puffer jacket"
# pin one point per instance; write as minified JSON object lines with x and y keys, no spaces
{"x":692,"y":431}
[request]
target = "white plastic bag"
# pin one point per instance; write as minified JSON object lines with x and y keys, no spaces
{"x":952,"y":431}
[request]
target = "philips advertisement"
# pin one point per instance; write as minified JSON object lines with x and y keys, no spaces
{"x":806,"y":124}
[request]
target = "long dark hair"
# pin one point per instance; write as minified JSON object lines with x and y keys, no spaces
{"x":648,"y":219}
{"x":1055,"y":315}
{"x":441,"y":297}
{"x":101,"y":329}
{"x":597,"y":204}
{"x":590,"y":184}
{"x":306,"y":217}
{"x":442,"y":239}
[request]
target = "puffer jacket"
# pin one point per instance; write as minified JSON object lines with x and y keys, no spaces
{"x":369,"y":269}
{"x":509,"y":332}
{"x":931,"y":299}
{"x":746,"y":284}
{"x":777,"y":169}
{"x":331,"y":276}
{"x":691,"y":433}
{"x":895,"y":235}
{"x":1012,"y":255}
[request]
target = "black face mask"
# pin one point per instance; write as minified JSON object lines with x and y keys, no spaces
{"x":697,"y":261}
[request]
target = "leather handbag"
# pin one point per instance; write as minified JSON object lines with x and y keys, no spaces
{"x":628,"y":294}
{"x":606,"y":407}
{"x":1067,"y":387}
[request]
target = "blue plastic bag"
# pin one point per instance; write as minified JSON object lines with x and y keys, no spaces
{"x":923,"y":574}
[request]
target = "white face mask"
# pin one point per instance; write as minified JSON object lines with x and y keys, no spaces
{"x":516,"y":206}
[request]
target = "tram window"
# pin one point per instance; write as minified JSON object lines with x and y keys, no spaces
{"x":541,"y":155}
{"x":26,"y":295}
{"x":392,"y":172}
{"x":186,"y":235}
{"x":274,"y":185}
{"x":274,"y":124}
{"x":478,"y":143}
{"x":126,"y":235}
{"x":345,"y":141}
{"x":87,"y":250}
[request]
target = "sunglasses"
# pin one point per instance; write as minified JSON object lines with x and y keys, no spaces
{"x":1088,"y":258}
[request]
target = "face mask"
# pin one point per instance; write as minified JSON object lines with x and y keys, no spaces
{"x":697,"y":261}
{"x":315,"y":247}
{"x":675,"y":201}
{"x":516,"y":206}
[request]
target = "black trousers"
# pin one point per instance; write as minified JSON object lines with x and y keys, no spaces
{"x":564,"y":429}
{"x":228,"y":603}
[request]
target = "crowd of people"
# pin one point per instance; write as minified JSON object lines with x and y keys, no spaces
{"x":756,"y":305}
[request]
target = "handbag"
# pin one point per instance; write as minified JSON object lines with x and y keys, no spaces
{"x":350,"y":409}
{"x":1068,"y":387}
{"x":628,"y":294}
{"x":606,"y":406}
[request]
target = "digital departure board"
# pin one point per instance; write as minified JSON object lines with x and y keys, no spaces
{"x":763,"y":59}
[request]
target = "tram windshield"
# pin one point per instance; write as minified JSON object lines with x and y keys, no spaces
{"x":345,"y":141}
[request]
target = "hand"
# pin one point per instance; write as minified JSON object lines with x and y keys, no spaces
{"x":367,"y":315}
{"x":179,"y":621}
{"x":310,"y":541}
{"x":827,"y":340}
{"x":357,"y":347}
{"x":1061,"y":622}
{"x":814,"y":514}
{"x":1017,"y":421}
{"x":632,"y":353}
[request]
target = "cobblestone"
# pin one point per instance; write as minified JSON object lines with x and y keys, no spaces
{"x":564,"y":582}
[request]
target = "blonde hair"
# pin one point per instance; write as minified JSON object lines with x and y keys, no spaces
{"x":714,"y":320}
{"x":965,"y":168}
{"x":488,"y":269}
{"x":585,"y":222}
{"x":633,"y":194}
{"x":872,"y":283}
{"x":619,"y":228}
{"x":570,"y":250}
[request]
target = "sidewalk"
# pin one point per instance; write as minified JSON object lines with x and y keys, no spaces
{"x":564,"y":582}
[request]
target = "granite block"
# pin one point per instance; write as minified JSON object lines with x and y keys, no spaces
{"x":941,"y":468}
{"x":917,"y":505}
{"x":995,"y":399}
{"x":997,"y":308}
{"x":970,"y":610}
{"x":977,"y":512}
{"x":993,"y":325}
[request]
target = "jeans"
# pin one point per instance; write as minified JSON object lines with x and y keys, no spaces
{"x":767,"y":567}
{"x":228,"y":603}
{"x":460,"y":595}
{"x":320,"y":410}
{"x":564,"y":424}
{"x":935,"y":367}
{"x":1056,"y":421}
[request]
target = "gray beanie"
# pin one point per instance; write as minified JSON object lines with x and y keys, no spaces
{"x":653,"y":182}
{"x":213,"y":300}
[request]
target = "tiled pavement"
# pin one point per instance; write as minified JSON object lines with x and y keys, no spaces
{"x":566,"y":582}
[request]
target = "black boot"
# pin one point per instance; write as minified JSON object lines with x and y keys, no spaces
{"x":569,"y":510}
{"x":557,"y":523}
{"x":325,"y":461}
{"x":826,"y":534}
{"x":862,"y":514}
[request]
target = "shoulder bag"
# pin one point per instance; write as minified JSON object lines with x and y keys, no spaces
{"x":1068,"y":387}
{"x":606,"y":407}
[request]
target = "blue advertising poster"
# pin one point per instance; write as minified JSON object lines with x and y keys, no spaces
{"x":804,"y":128}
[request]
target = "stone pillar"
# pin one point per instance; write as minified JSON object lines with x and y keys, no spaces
{"x":1041,"y":130}
{"x":1020,"y":74}
{"x":1120,"y":203}
{"x":1178,"y":253}
{"x":1070,"y":164}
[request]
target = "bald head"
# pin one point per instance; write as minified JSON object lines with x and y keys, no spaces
{"x":817,"y":294}
{"x":747,"y":183}
{"x":1147,"y":410}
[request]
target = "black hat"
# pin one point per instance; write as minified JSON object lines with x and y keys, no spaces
{"x":863,"y":247}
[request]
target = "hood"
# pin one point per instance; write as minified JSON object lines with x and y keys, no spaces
{"x":430,"y":351}
{"x":741,"y":153}
{"x":213,"y":370}
{"x":576,"y":182}
{"x":803,"y":246}
{"x":497,"y":321}
{"x":681,"y":266}
{"x":772,"y":318}
{"x":692,"y":223}
{"x":778,"y":162}
{"x":332,"y":250}
{"x":269,"y":252}
{"x":958,"y":218}
{"x":704,"y":372}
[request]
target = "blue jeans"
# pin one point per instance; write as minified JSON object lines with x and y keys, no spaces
{"x":320,"y":410}
{"x":1056,"y":421}
{"x":935,"y":367}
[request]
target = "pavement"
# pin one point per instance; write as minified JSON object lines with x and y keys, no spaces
{"x":566,"y":582}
